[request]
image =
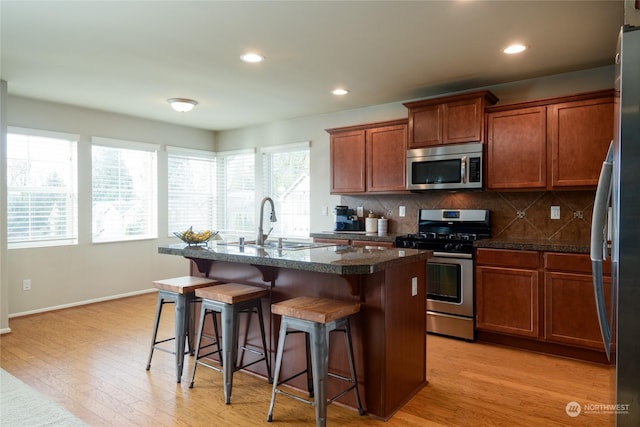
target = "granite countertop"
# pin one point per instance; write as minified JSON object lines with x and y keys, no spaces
{"x":327,"y":258}
{"x":534,"y":245}
{"x":356,"y":235}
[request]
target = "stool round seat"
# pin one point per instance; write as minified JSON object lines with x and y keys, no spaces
{"x":316,"y":318}
{"x":230,"y":299}
{"x":181,"y":292}
{"x":231,"y":293}
{"x":321,"y":310}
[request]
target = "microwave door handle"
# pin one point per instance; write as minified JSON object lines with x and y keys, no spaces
{"x":463,"y":170}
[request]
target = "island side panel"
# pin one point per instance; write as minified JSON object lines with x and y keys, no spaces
{"x":405,"y":340}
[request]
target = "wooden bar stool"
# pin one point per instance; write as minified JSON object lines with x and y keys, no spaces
{"x":230,"y":300}
{"x":181,"y":292}
{"x":317,"y":317}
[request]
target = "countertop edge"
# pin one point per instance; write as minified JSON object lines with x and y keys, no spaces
{"x":346,"y":235}
{"x":533,"y":245}
{"x":346,"y":268}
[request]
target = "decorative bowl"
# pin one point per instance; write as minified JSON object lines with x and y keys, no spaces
{"x":191,"y":237}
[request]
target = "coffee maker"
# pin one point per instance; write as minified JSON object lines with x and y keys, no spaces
{"x":347,"y":220}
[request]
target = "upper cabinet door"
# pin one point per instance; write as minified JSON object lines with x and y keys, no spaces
{"x":348,"y":162}
{"x":579,"y":136}
{"x":386,"y":149}
{"x":463,"y":121}
{"x":516,"y":149}
{"x":425,"y":126}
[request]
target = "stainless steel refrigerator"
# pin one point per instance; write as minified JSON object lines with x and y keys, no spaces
{"x":615,"y":232}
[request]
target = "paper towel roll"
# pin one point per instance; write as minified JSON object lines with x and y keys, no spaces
{"x":383,"y":225}
{"x":371,"y":225}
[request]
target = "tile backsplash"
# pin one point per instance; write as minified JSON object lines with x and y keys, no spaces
{"x":518,"y":215}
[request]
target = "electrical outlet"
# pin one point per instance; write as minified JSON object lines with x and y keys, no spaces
{"x":325,"y":210}
{"x":555,"y":212}
{"x":26,"y":285}
{"x":414,"y":286}
{"x":360,"y":211}
{"x":401,"y":211}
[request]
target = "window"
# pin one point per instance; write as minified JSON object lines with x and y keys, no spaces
{"x":42,"y":195}
{"x":191,"y":189}
{"x":236,"y":192}
{"x":286,"y":180}
{"x":124,"y":190}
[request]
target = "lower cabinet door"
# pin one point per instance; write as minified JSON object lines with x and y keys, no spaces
{"x":570,"y":310}
{"x":508,"y":301}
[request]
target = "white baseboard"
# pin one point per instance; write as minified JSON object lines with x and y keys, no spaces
{"x":5,"y":331}
{"x":78,"y":303}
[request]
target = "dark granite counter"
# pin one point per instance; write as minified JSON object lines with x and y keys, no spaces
{"x":356,"y":235}
{"x":533,"y":245}
{"x":320,"y":259}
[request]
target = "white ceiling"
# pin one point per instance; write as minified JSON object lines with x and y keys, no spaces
{"x":130,"y":56}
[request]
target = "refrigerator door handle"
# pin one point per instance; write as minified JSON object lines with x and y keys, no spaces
{"x":599,"y":245}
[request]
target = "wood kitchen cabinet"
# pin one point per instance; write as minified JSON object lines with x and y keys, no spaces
{"x":448,"y":120}
{"x":347,"y":162}
{"x":508,"y":296}
{"x":549,"y":144}
{"x":570,"y":307}
{"x":542,"y":301}
{"x":369,"y":158}
{"x":579,"y":134}
{"x":517,"y":149}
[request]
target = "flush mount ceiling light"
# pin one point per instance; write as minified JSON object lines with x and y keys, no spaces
{"x":514,"y":48}
{"x":182,"y":105}
{"x":339,"y":91}
{"x":252,"y":57}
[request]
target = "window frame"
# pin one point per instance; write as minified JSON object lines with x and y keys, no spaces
{"x":197,"y":155}
{"x":71,"y":193}
{"x":152,"y":214}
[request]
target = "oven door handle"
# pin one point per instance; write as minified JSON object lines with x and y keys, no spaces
{"x":452,"y":255}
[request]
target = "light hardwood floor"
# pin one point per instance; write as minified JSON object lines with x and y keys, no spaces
{"x":91,"y":360}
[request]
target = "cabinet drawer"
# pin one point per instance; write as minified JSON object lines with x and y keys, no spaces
{"x":508,"y":258}
{"x":573,"y":263}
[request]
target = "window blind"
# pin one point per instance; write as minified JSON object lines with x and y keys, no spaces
{"x":124,"y":190}
{"x":236,"y":192}
{"x":286,"y":180}
{"x":42,"y":195}
{"x":191,"y":190}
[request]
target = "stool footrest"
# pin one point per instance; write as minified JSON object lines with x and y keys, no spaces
{"x":296,"y":397}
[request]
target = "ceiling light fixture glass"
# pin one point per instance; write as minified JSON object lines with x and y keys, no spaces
{"x":339,"y":91}
{"x":514,"y":48}
{"x":252,"y":57}
{"x":182,"y":105}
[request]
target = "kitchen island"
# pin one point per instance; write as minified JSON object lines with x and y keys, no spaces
{"x":388,"y":332}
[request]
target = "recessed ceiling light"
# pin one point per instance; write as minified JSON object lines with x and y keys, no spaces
{"x":514,"y":48}
{"x":339,"y":91}
{"x":252,"y":57}
{"x":182,"y":105}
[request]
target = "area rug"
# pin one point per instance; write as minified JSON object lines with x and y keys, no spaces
{"x":22,"y":405}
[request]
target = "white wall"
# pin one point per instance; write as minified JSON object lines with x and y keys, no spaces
{"x":313,"y":128}
{"x":73,"y":274}
{"x":4,"y":271}
{"x":67,"y":275}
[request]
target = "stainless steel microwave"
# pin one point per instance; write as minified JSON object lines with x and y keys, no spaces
{"x":445,"y":167}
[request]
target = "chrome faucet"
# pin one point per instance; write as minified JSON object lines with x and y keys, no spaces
{"x":272,"y":217}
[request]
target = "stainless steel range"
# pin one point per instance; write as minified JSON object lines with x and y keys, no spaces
{"x":450,"y":234}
